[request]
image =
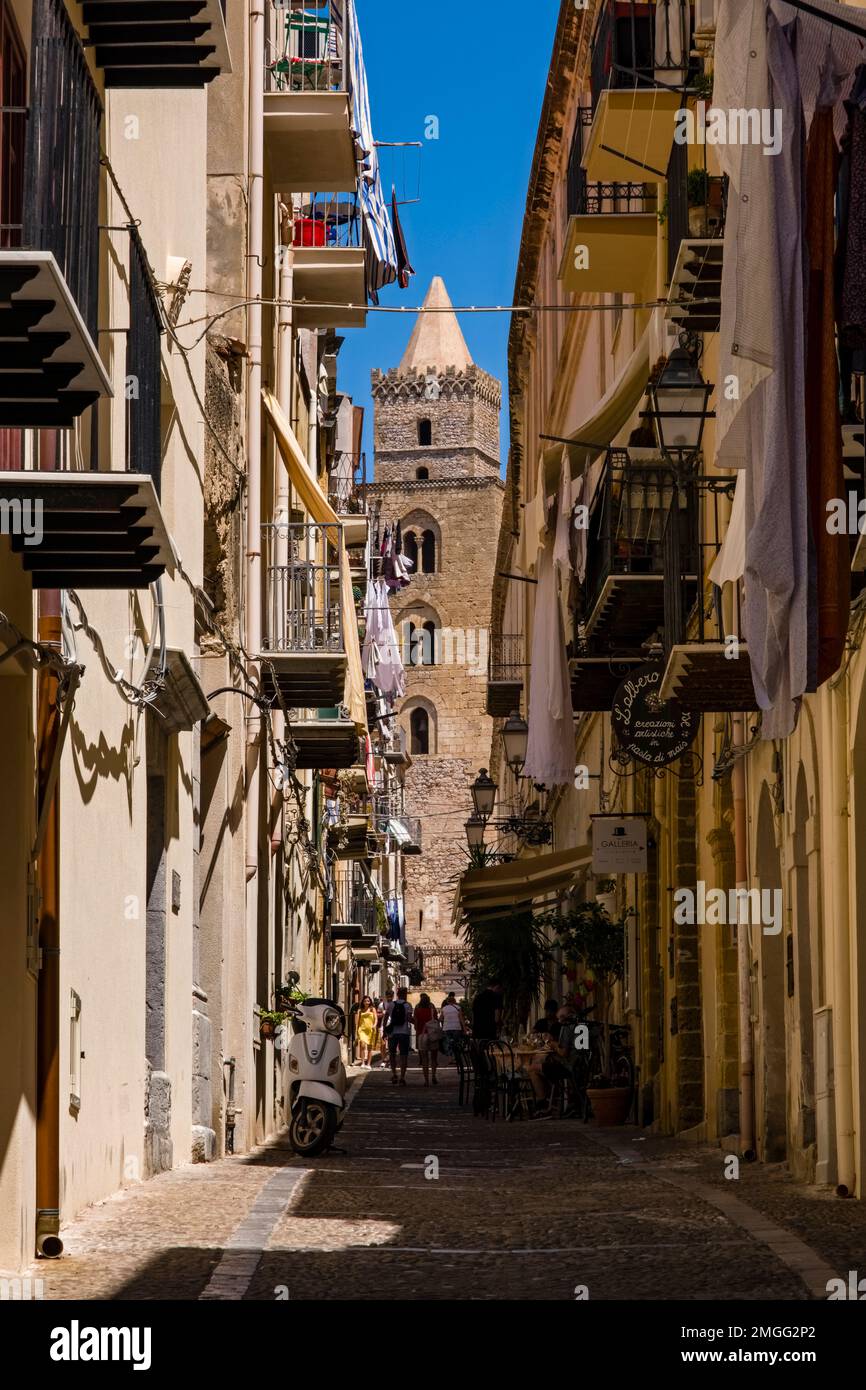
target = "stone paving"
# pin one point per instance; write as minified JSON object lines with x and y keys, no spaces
{"x":529,"y":1210}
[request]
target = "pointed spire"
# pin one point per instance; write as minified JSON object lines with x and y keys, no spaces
{"x":437,"y":340}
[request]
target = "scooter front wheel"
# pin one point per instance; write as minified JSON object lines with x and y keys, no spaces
{"x":313,"y":1128}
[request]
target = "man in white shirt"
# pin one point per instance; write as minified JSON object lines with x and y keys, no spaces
{"x":453,"y":1023}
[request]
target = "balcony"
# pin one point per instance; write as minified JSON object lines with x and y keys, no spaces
{"x":505,"y":667}
{"x":329,"y":261}
{"x":354,"y":839}
{"x":612,"y":229}
{"x":307,"y":103}
{"x":325,"y":741}
{"x":158,"y":43}
{"x":347,"y":494}
{"x":640,"y":56}
{"x":353,"y":906}
{"x":695,"y":209}
{"x":50,"y":369}
{"x":622,"y":604}
{"x":304,"y":648}
{"x":703,"y":672}
{"x":99,"y":530}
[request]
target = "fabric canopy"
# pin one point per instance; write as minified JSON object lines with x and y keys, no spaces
{"x":319,"y":508}
{"x":609,"y":416}
{"x":507,"y":885}
{"x":378,"y":232}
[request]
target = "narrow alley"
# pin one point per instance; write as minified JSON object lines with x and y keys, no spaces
{"x":554,"y":1211}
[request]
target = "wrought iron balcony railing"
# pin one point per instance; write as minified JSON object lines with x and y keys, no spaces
{"x":505,"y":660}
{"x":61,"y":167}
{"x":347,"y":483}
{"x":638,"y":44}
{"x":328,"y":221}
{"x":583,"y":197}
{"x":303,"y":568}
{"x":307,"y":47}
{"x":632,"y":506}
{"x":353,"y":901}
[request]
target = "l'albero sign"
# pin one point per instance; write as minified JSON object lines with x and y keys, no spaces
{"x":649,"y":730}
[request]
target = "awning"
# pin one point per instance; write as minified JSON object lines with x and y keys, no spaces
{"x":316,"y":503}
{"x":521,"y":881}
{"x":398,"y":832}
{"x":610,"y":415}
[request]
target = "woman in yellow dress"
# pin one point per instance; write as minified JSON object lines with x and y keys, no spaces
{"x":366,"y":1032}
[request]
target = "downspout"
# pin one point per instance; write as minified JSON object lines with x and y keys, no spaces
{"x":842,"y":1038}
{"x":744,"y":964}
{"x":48,"y":1242}
{"x":254,"y":443}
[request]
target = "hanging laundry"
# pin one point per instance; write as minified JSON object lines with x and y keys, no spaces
{"x":832,"y":599}
{"x":852,"y":239}
{"x":550,"y":744}
{"x":404,"y":269}
{"x":769,"y":56}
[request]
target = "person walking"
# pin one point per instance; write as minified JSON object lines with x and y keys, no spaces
{"x":398,"y":1030}
{"x":365,"y":1032}
{"x":383,"y":1008}
{"x":428,"y":1036}
{"x":487,"y":1012}
{"x":453,"y":1024}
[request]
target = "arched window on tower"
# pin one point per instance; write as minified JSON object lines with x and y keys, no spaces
{"x":420,"y":649}
{"x":419,"y":729}
{"x":428,"y":552}
{"x":410,"y":548}
{"x":422,"y":474}
{"x":425,"y":432}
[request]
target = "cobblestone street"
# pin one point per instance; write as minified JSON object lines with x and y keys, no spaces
{"x":528,"y":1210}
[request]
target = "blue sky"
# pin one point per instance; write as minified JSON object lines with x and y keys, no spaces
{"x":481,"y":69}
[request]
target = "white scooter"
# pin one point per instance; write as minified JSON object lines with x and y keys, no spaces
{"x":316,"y":1075}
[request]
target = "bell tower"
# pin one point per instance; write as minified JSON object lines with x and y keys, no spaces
{"x":437,"y":472}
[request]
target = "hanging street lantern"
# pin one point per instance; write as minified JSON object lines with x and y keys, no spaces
{"x":515,"y":734}
{"x":484,"y":791}
{"x":475,"y":832}
{"x":679,"y":402}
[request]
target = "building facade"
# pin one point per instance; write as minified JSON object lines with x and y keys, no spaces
{"x":436,"y":436}
{"x":188,"y":831}
{"x":746,"y":1031}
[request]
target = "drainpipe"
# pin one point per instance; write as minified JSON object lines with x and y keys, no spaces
{"x":254,"y":437}
{"x":842,"y":976}
{"x":48,"y":1242}
{"x":744,"y":964}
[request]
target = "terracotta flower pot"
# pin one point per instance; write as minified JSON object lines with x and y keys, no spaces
{"x":266,"y":1028}
{"x":610,"y":1104}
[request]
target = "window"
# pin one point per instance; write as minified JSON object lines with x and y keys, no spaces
{"x":422,"y":474}
{"x":428,"y":552}
{"x":425,"y":432}
{"x":419,"y":725}
{"x":13,"y":92}
{"x":410,"y":548}
{"x":421,"y":645}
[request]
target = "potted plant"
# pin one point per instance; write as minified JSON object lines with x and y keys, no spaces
{"x":697,"y":194}
{"x":269,"y":1022}
{"x":589,"y":936}
{"x":512,"y":949}
{"x":289,"y":992}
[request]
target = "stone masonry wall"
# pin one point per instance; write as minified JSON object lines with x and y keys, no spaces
{"x":457,"y":596}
